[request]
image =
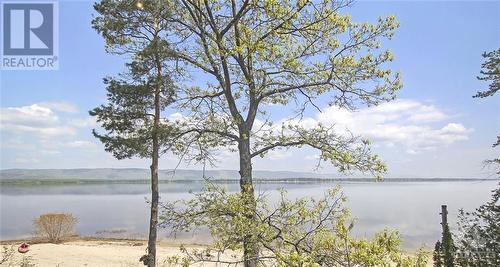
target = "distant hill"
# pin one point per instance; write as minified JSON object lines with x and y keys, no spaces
{"x":137,"y":175}
{"x":143,"y":174}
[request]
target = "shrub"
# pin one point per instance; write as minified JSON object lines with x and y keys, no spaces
{"x":292,"y":232}
{"x":54,"y":227}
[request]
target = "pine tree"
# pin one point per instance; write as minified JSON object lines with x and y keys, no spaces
{"x":448,"y":248}
{"x":437,"y":256}
{"x":444,"y":250}
{"x":132,"y":118}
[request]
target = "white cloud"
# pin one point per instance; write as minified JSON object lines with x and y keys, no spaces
{"x":278,"y":154}
{"x":411,"y":125}
{"x":399,"y":110}
{"x":80,"y":144}
{"x":427,"y":114}
{"x":176,"y":117}
{"x":30,"y":116}
{"x":454,"y":128}
{"x":408,"y":123}
{"x":60,"y":106}
{"x":37,"y":120}
{"x":41,"y":131}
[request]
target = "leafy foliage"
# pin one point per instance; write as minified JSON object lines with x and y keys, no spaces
{"x":490,"y":72}
{"x":300,"y":232}
{"x":128,"y":117}
{"x":252,"y":54}
{"x":478,"y":237}
{"x":257,"y":53}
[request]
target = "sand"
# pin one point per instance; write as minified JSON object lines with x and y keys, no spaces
{"x":97,"y":253}
{"x":93,"y":253}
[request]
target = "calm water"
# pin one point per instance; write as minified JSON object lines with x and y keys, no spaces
{"x":120,"y":209}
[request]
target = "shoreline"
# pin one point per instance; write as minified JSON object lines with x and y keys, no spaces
{"x":78,"y":251}
{"x":167,"y":242}
{"x":90,"y":251}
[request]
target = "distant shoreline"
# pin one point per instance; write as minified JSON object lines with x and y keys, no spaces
{"x":228,"y":181}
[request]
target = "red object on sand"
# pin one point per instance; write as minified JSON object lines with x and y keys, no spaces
{"x":23,"y":248}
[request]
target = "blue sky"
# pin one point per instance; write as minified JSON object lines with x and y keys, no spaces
{"x":435,"y":128}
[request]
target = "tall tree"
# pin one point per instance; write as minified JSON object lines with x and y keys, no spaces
{"x":491,"y":72}
{"x":257,"y":53}
{"x":132,"y":118}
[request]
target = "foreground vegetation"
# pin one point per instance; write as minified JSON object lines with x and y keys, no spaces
{"x":476,"y":242}
{"x":300,"y":232}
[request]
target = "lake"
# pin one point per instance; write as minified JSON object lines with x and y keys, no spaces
{"x":120,"y":210}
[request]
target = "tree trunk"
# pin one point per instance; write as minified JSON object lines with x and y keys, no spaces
{"x":250,"y":248}
{"x":153,"y":221}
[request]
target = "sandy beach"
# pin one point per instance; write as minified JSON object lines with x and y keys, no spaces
{"x":96,"y":253}
{"x":92,"y":252}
